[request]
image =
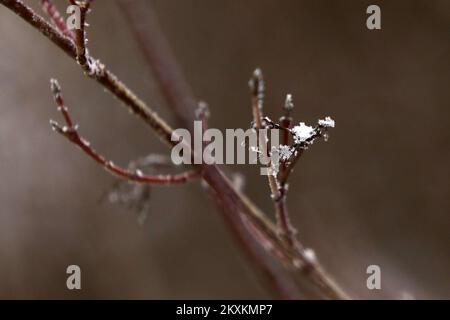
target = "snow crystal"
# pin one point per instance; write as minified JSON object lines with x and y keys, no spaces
{"x":327,"y":122}
{"x":302,"y":132}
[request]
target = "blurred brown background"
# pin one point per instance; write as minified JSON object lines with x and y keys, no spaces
{"x":376,"y":193}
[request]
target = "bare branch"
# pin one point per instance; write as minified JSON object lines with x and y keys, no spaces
{"x":70,"y":131}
